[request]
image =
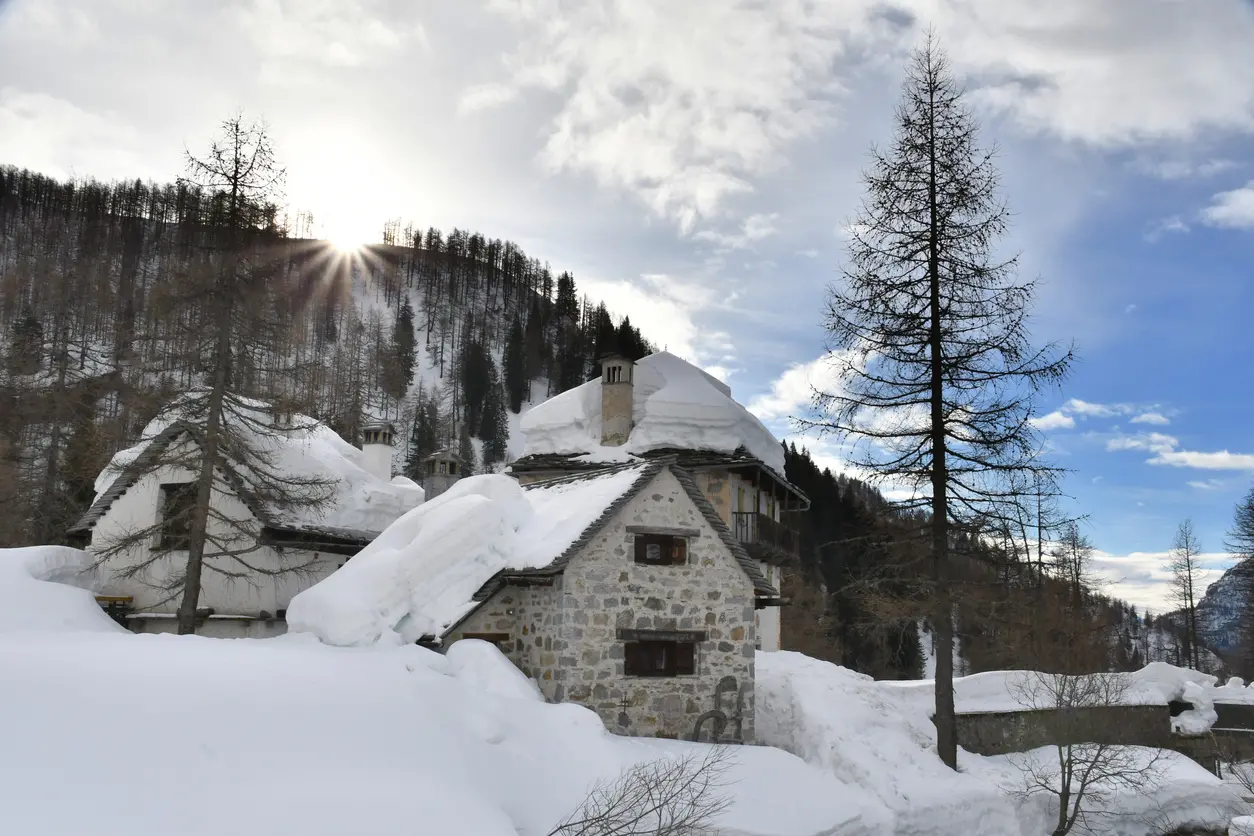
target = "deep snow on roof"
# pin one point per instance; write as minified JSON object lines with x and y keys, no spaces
{"x":675,"y":405}
{"x":419,"y":577}
{"x":307,"y":450}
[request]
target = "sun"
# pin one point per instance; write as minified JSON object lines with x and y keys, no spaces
{"x":348,"y":235}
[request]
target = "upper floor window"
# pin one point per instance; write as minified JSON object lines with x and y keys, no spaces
{"x":661,"y":550}
{"x":177,"y":502}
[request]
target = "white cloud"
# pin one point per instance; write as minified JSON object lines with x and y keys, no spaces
{"x":1064,"y":418}
{"x":334,"y":33}
{"x":1207,"y":485}
{"x":1151,"y":418}
{"x":1165,"y":449}
{"x":1112,"y":73}
{"x":1173,"y":225}
{"x":53,"y":135}
{"x":663,"y":307}
{"x":1234,"y":209}
{"x":1056,"y":420}
{"x":1184,"y":169}
{"x":792,"y":392}
{"x":754,"y":228}
{"x":1143,"y":579}
{"x":710,"y":102}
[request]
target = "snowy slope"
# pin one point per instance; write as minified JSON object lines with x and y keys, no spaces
{"x":418,"y":576}
{"x":675,"y":404}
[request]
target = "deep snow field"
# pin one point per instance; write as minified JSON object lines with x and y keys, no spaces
{"x":103,"y":732}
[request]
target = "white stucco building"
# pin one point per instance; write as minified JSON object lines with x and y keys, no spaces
{"x":259,"y":554}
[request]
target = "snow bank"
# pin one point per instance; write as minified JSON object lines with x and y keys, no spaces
{"x":1171,"y":792}
{"x":290,"y":737}
{"x":49,"y":589}
{"x":1002,"y":691}
{"x":674,"y":405}
{"x":878,"y":738}
{"x":307,"y":450}
{"x":1241,"y":826}
{"x":418,"y":577}
{"x":1199,"y":718}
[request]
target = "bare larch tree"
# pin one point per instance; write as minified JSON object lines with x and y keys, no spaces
{"x":224,"y":314}
{"x":1184,"y":562}
{"x":928,"y":331}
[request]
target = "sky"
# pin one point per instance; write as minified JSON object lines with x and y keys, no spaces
{"x":694,"y":165}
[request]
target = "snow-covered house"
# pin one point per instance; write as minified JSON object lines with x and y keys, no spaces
{"x":266,"y":554}
{"x":663,"y":406}
{"x":631,"y":577}
{"x":619,"y":588}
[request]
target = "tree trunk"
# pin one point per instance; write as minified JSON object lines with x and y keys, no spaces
{"x":204,"y":485}
{"x":946,"y":723}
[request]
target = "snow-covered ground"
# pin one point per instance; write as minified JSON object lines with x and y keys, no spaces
{"x":113,"y":733}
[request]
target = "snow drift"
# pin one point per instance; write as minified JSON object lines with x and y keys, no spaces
{"x":674,"y":405}
{"x":46,"y":589}
{"x":418,"y":577}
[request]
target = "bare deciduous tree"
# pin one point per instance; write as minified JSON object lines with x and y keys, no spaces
{"x":928,"y":331}
{"x":680,"y":796}
{"x":1079,"y":772}
{"x":1183,"y":562}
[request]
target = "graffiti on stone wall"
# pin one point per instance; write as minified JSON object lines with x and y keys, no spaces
{"x":721,"y":717}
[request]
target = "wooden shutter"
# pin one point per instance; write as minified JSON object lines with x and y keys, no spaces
{"x":685,"y":658}
{"x":679,"y":550}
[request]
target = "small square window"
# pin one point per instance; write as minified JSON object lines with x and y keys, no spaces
{"x":661,"y":550}
{"x":659,"y":658}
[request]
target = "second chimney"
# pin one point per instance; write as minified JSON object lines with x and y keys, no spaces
{"x":376,"y":448}
{"x":616,"y":399}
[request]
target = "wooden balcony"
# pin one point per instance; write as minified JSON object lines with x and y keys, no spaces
{"x":765,"y":538}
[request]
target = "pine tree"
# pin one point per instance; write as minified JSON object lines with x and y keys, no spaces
{"x":424,"y":434}
{"x":466,"y":451}
{"x":398,"y":366}
{"x":930,"y":341}
{"x":494,"y":429}
{"x":515,"y":363}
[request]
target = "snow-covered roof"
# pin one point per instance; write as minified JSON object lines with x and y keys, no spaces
{"x":435,"y":565}
{"x":420,"y":576}
{"x":675,"y":406}
{"x":360,"y":506}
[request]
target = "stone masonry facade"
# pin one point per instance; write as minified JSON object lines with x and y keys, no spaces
{"x":570,"y":636}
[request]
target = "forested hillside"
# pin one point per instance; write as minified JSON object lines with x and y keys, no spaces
{"x":445,"y":334}
{"x":860,"y":590}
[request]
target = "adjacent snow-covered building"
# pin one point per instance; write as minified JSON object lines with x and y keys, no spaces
{"x":625,"y":564}
{"x":265,"y":554}
{"x":663,"y":406}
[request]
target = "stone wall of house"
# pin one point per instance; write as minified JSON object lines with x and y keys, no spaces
{"x":604,"y":592}
{"x":531,"y":618}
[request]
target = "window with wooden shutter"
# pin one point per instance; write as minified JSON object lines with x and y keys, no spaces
{"x":661,"y":550}
{"x":659,"y":658}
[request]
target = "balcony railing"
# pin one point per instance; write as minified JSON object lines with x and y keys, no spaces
{"x":754,"y":529}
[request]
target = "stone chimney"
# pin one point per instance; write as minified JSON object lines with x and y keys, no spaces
{"x":616,"y":397}
{"x":442,"y":470}
{"x":376,"y":447}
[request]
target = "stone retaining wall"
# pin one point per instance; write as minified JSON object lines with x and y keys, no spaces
{"x":997,"y":733}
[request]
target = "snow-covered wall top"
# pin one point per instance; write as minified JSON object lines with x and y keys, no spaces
{"x":307,"y":450}
{"x":674,"y":405}
{"x":419,"y":576}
